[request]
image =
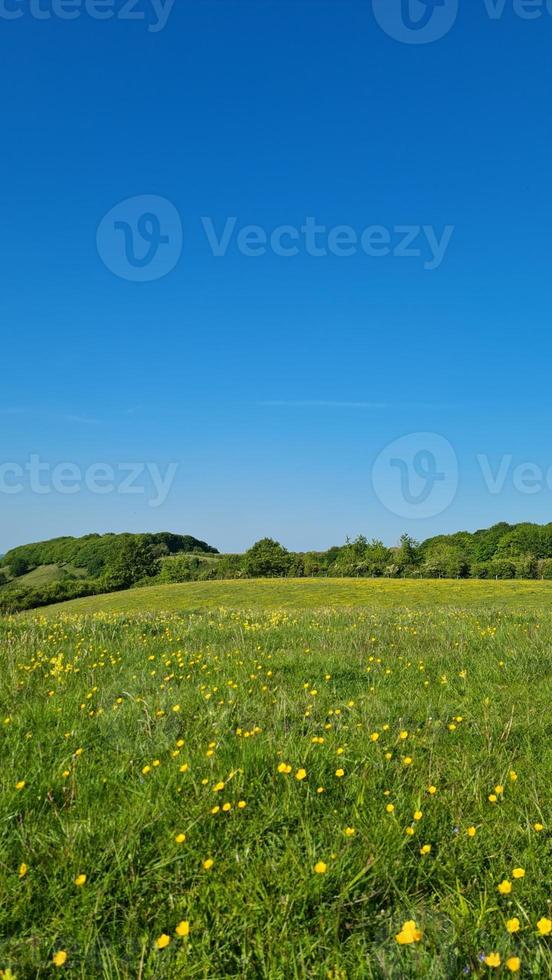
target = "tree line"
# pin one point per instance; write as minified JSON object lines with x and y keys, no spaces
{"x":107,"y":563}
{"x":503,"y":551}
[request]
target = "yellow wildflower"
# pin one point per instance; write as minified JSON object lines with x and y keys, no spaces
{"x":409,"y":933}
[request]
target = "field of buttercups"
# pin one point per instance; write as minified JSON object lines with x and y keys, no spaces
{"x":276,"y":795}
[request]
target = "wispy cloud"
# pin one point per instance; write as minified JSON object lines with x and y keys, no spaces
{"x":78,"y":418}
{"x":322,"y":404}
{"x":59,"y":416}
{"x":376,"y":406}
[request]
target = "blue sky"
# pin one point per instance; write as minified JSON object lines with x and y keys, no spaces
{"x":274,"y":382}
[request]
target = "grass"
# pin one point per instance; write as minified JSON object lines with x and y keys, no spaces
{"x":317,"y":593}
{"x":122,"y":732}
{"x":46,"y":575}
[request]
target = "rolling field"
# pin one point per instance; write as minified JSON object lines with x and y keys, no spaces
{"x":316,"y":593}
{"x":46,"y":575}
{"x":279,"y":794}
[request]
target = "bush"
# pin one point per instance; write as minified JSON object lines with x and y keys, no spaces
{"x":266,"y":559}
{"x":15,"y":600}
{"x":19,"y":565}
{"x":134,"y":561}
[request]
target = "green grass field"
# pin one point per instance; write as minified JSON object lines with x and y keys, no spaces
{"x":316,"y":593}
{"x":350,"y":793}
{"x":45,"y":575}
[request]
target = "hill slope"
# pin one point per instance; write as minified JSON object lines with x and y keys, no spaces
{"x":93,"y":551}
{"x":49,"y":571}
{"x":315,"y":594}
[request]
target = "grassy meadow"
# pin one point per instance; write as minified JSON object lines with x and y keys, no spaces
{"x":284,"y":793}
{"x":317,"y":593}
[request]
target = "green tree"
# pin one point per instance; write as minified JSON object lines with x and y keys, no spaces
{"x":376,"y":558}
{"x":544,"y":569}
{"x":445,"y":561}
{"x":266,"y":558}
{"x":407,"y":555}
{"x":19,"y":565}
{"x":133,"y":561}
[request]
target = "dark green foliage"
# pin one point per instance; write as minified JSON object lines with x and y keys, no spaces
{"x":361,"y":558}
{"x":445,"y":561}
{"x":134,"y":562}
{"x":227,"y":566}
{"x":266,"y":559}
{"x":501,"y":551}
{"x":112,"y":562}
{"x":184,"y":568}
{"x":16,"y":599}
{"x":97,"y":552}
{"x":18,"y":565}
{"x":108,"y":562}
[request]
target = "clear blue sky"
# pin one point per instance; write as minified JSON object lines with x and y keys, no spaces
{"x":274,"y":381}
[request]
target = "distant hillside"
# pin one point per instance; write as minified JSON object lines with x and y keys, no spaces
{"x":94,"y":551}
{"x":65,"y":568}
